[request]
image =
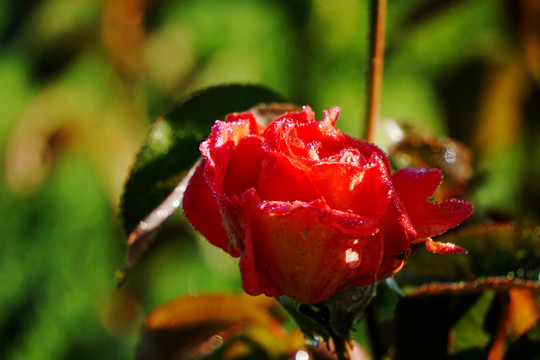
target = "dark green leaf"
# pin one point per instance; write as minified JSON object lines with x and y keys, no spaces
{"x":474,"y":304}
{"x":172,"y":146}
{"x":423,"y":324}
{"x":157,"y":181}
{"x":499,"y":256}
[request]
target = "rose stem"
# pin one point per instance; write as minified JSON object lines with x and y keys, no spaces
{"x":372,"y":320}
{"x":375,"y":67}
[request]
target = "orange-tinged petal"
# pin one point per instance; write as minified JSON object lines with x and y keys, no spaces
{"x":444,"y":248}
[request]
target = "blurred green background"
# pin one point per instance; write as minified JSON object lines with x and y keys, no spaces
{"x":80,"y":82}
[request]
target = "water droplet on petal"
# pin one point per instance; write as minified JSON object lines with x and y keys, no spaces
{"x":143,"y":225}
{"x":352,"y":258}
{"x":176,"y":203}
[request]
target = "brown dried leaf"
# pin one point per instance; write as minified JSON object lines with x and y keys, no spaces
{"x":455,"y":159}
{"x":196,"y":326}
{"x":519,"y":314}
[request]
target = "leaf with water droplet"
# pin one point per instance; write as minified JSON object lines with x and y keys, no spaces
{"x":158,"y":178}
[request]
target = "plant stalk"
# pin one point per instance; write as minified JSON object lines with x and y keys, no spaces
{"x":375,"y":67}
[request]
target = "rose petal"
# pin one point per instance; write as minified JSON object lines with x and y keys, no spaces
{"x":244,"y":166}
{"x":254,"y":126}
{"x":330,"y":116}
{"x":438,"y":218}
{"x":201,"y":209}
{"x":253,"y":281}
{"x":416,"y":183}
{"x":233,"y":219}
{"x":280,"y":180}
{"x":299,"y":244}
{"x":219,"y":147}
{"x":444,"y":248}
{"x":414,"y":186}
{"x":368,"y":191}
{"x":336,"y":182}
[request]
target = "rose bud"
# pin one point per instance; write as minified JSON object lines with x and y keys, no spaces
{"x":309,"y":209}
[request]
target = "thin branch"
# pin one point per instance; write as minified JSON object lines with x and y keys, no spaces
{"x":375,"y":69}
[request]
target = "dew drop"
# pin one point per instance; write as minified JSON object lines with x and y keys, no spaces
{"x":215,"y":341}
{"x":176,"y":203}
{"x":405,"y":159}
{"x":510,"y":275}
{"x":143,"y":225}
{"x":352,"y":258}
{"x":158,"y":135}
{"x":301,"y":355}
{"x":520,"y":272}
{"x":450,"y":154}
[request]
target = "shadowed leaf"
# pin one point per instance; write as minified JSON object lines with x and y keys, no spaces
{"x":159,"y":177}
{"x":499,"y":256}
{"x":475,"y":305}
{"x":172,"y":146}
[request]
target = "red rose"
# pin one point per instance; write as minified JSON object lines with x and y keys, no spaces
{"x":310,"y":209}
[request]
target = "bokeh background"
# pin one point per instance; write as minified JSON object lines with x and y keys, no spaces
{"x":80,"y":82}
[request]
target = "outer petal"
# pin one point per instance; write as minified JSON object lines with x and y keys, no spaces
{"x":414,"y":187}
{"x":308,"y":251}
{"x":254,"y":126}
{"x":202,"y":211}
{"x":254,"y":282}
{"x":219,"y":147}
{"x":244,"y":166}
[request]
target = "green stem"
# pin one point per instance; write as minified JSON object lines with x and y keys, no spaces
{"x":340,"y":347}
{"x":375,"y":67}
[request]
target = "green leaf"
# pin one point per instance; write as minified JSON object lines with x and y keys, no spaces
{"x":161,"y":172}
{"x":422,"y":325}
{"x":172,"y":145}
